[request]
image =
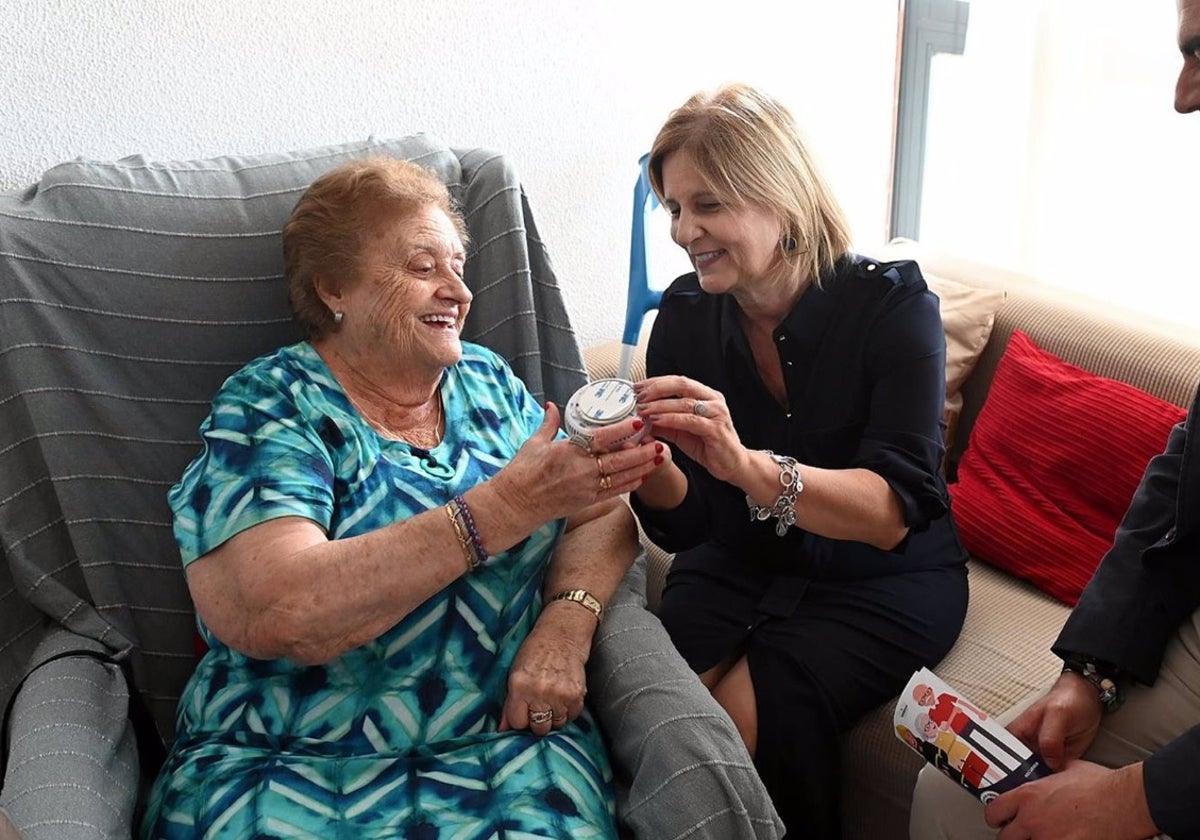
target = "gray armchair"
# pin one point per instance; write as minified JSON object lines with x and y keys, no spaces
{"x":129,"y":290}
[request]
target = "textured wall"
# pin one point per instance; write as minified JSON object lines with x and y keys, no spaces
{"x":573,"y":92}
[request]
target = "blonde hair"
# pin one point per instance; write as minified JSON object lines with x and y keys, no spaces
{"x":748,"y":150}
{"x":323,"y":236}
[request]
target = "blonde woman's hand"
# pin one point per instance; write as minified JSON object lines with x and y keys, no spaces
{"x":695,"y":418}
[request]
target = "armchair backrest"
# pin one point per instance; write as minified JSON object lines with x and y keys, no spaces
{"x":129,"y":291}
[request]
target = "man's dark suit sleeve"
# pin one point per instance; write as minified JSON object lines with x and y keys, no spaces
{"x":1127,"y":612}
{"x":1145,"y":587}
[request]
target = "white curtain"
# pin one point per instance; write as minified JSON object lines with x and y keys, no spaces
{"x":1053,"y":149}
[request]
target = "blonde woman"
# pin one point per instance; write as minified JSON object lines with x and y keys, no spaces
{"x":800,"y":389}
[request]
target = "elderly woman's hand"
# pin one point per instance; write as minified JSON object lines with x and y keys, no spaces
{"x":695,"y":418}
{"x":546,"y":683}
{"x":551,"y":479}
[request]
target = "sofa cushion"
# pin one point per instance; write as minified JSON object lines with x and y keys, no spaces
{"x":1002,"y":656}
{"x":968,"y":315}
{"x":1053,"y":461}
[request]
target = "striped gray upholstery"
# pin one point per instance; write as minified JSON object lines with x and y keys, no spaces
{"x":73,"y":770}
{"x":129,"y":290}
{"x":683,"y":770}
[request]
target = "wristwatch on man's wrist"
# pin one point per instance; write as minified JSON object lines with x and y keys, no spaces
{"x":1101,"y":675}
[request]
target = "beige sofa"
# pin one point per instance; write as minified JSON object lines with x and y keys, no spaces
{"x":1003,"y":653}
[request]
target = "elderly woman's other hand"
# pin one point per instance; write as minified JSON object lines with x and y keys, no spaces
{"x":547,"y":683}
{"x":551,"y":479}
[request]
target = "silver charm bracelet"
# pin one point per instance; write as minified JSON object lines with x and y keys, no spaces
{"x":784,"y":509}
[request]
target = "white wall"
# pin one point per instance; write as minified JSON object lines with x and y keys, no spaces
{"x":573,"y":92}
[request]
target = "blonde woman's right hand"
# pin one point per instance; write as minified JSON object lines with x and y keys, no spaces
{"x":695,"y":418}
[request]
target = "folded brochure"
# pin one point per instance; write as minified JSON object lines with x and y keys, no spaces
{"x":961,"y":740}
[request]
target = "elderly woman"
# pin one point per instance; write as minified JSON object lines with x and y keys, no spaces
{"x":397,"y":561}
{"x":800,"y":388}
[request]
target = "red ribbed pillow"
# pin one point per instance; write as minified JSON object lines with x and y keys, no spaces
{"x":1053,"y":461}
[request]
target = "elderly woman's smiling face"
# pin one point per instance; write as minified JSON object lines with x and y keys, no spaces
{"x":409,"y":300}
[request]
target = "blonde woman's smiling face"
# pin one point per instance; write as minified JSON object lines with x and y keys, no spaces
{"x":731,"y":246}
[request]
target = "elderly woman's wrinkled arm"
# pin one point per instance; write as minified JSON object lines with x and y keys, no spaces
{"x":548,"y":674}
{"x":596,"y":551}
{"x":283,"y":589}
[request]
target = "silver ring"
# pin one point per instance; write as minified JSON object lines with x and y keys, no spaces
{"x":699,"y":409}
{"x":582,"y":440}
{"x":538,"y":718}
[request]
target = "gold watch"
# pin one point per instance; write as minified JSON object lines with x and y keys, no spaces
{"x":582,"y":597}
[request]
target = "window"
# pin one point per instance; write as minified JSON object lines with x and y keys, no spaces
{"x":1052,"y":148}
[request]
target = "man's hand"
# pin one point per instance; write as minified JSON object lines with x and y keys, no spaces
{"x":1062,"y":725}
{"x":1085,"y":801}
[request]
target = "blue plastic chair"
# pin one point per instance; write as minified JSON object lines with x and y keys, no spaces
{"x":640,"y":298}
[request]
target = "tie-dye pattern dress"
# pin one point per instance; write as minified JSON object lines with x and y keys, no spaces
{"x":397,"y":738}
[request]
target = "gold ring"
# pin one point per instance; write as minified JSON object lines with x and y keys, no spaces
{"x":538,"y":718}
{"x":605,"y":482}
{"x":599,"y":466}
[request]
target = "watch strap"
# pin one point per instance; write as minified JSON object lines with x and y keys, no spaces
{"x":583,"y":598}
{"x":1101,"y":675}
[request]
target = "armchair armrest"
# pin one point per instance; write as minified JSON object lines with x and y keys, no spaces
{"x":72,"y":770}
{"x":681,"y":766}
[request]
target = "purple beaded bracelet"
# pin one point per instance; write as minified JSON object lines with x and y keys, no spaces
{"x":472,"y":532}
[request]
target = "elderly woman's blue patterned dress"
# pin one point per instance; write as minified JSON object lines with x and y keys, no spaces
{"x":396,"y":738}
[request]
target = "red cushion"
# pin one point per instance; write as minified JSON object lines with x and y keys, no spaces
{"x":1053,"y":461}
